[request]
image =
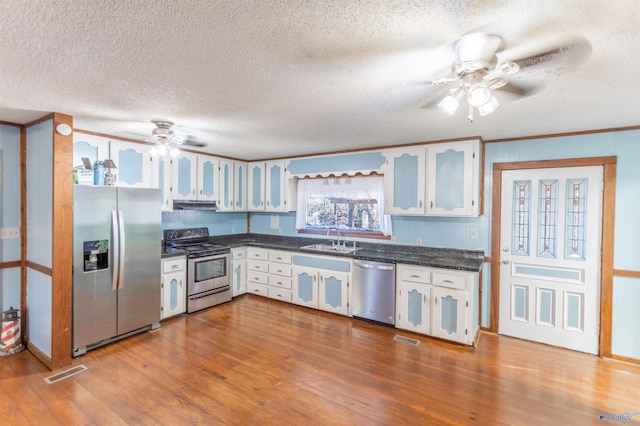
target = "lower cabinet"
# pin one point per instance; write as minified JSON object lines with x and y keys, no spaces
{"x":437,"y":302}
{"x":238,"y":271}
{"x":174,"y":291}
{"x":321,"y":289}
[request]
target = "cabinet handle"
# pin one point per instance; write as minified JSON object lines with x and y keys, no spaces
{"x":420,"y":203}
{"x":415,"y":276}
{"x":448,"y":281}
{"x":432,"y":204}
{"x":436,"y":300}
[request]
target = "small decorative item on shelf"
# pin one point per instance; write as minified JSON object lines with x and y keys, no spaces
{"x":98,"y":173}
{"x":108,"y":176}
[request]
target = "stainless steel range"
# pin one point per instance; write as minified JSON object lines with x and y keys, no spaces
{"x":208,"y":275}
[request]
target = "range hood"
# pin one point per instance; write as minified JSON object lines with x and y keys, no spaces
{"x":194,"y":205}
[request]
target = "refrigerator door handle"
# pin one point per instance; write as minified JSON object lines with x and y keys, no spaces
{"x":121,"y":249}
{"x":115,"y":245}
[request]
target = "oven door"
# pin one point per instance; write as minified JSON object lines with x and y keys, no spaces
{"x":208,"y":273}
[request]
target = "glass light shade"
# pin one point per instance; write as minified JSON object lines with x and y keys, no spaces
{"x":174,"y":152}
{"x":451,"y":102}
{"x":478,"y":95}
{"x":489,"y":107}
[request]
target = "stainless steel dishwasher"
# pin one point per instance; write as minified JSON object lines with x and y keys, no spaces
{"x":374,"y":291}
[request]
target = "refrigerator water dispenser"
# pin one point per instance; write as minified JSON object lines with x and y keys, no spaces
{"x":96,"y":255}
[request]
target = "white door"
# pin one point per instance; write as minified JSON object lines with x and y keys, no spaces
{"x":550,"y":256}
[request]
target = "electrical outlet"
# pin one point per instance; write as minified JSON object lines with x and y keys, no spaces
{"x":279,"y":231}
{"x":9,"y":233}
{"x":473,"y":234}
{"x":418,"y":241}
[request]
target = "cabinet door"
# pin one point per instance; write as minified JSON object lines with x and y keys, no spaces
{"x":225,"y":199}
{"x":276,"y":197}
{"x":333,"y":292}
{"x":404,"y":189}
{"x":173,"y":294}
{"x":305,"y":286}
{"x":255,"y":187}
{"x":135,"y":166}
{"x":89,"y":146}
{"x":452,"y":178}
{"x":412,"y":310}
{"x":185,"y":176}
{"x":449,"y":314}
{"x":240,"y":187}
{"x":164,"y":182}
{"x":207,"y":183}
{"x":238,"y":277}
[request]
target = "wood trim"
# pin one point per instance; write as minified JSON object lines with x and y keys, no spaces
{"x":626,"y":273}
{"x":62,"y":258}
{"x":487,"y":259}
{"x":482,"y":165}
{"x":41,"y":356}
{"x":11,"y":264}
{"x":40,"y":120}
{"x":23,"y":234}
{"x":182,"y":149}
{"x":557,"y":135}
{"x":626,"y":359}
{"x":606,"y":279}
{"x":7,"y":123}
{"x":40,"y":268}
{"x":608,"y":219}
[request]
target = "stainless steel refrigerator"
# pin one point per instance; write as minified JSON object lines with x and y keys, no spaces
{"x":116,"y":263}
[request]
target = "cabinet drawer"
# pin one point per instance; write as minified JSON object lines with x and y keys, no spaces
{"x":415,"y":275}
{"x":257,"y":253}
{"x":449,"y":280}
{"x":280,"y":257}
{"x":278,"y":269}
{"x":257,"y":265}
{"x":258,"y":289}
{"x":279,"y":282}
{"x":257,"y":277}
{"x":173,"y":265}
{"x":276,"y":293}
{"x":238,"y":254}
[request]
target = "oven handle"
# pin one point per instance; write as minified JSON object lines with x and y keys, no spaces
{"x":210,"y":292}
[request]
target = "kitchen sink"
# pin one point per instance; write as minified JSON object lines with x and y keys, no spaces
{"x":328,"y":248}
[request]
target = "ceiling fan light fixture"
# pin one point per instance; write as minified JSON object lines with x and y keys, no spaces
{"x":489,"y":107}
{"x":478,"y":95}
{"x":450,"y":103}
{"x":164,"y":138}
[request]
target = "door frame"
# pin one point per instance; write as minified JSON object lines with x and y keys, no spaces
{"x":609,"y":165}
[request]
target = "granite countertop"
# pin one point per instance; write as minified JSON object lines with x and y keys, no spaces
{"x":463,"y":260}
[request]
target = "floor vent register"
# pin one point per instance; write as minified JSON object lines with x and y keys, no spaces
{"x":405,"y":339}
{"x":64,"y":374}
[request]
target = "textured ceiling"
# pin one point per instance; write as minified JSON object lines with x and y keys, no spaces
{"x":273,"y":78}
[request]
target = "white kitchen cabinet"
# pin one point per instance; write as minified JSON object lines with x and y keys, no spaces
{"x":437,"y":302}
{"x":276,"y":200}
{"x":185,"y":176}
{"x":89,"y":146}
{"x":207,"y":180}
{"x":135,"y":166}
{"x":257,"y":271}
{"x":453,"y":178}
{"x":305,"y":286}
{"x":240,"y":186}
{"x":174,"y":292}
{"x":404,"y":181}
{"x":238,"y":271}
{"x":333,"y":291}
{"x":227,"y":192}
{"x":256,"y":186}
{"x":164,"y":181}
{"x":280,"y":272}
{"x":413,"y":299}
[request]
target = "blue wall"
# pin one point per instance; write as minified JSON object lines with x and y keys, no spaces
{"x":219,"y":223}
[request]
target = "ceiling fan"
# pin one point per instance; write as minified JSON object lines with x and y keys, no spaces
{"x":481,"y":67}
{"x":167,"y":141}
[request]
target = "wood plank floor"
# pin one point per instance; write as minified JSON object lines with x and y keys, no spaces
{"x":260,"y":361}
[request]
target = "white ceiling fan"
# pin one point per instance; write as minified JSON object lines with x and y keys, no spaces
{"x":167,"y":141}
{"x":481,"y":66}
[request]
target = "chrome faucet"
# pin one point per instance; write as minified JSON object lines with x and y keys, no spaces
{"x":338,"y":232}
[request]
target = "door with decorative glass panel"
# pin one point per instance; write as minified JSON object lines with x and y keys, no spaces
{"x":550,"y":244}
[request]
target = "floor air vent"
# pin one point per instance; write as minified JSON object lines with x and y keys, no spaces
{"x":408,"y":340}
{"x":64,"y":374}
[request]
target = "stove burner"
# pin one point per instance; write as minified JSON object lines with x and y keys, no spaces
{"x":194,"y":241}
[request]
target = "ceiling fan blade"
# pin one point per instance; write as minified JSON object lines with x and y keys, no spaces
{"x":566,"y":52}
{"x":513,"y":90}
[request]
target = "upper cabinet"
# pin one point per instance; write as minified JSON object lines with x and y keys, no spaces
{"x":256,"y":185}
{"x":185,"y":175}
{"x":453,"y":177}
{"x":404,"y":181}
{"x":436,"y":179}
{"x":270,"y":187}
{"x":207,"y":184}
{"x":225,"y":199}
{"x":135,"y":166}
{"x":240,"y":186}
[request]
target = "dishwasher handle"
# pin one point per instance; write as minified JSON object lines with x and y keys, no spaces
{"x":376,"y":265}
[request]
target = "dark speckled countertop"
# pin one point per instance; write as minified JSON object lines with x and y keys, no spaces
{"x":463,"y":260}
